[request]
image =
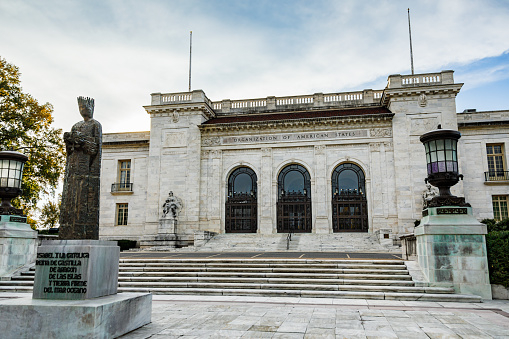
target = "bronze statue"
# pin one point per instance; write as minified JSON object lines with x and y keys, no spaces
{"x":79,"y":212}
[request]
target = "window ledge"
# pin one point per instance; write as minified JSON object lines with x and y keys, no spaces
{"x":122,"y":193}
{"x":497,"y":182}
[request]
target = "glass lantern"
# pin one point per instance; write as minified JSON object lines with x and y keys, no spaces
{"x":11,"y":173}
{"x":441,"y":148}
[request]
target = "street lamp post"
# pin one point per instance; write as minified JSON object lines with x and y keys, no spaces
{"x":441,"y":147}
{"x":11,"y":173}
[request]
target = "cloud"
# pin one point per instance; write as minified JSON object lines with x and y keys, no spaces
{"x":121,"y":51}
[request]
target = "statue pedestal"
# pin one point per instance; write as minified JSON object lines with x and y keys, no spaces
{"x":451,"y":249}
{"x":166,"y":235}
{"x":167,"y":226}
{"x":18,"y":244}
{"x":75,"y":295}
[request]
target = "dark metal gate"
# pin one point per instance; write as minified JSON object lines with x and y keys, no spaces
{"x":294,"y":213}
{"x":349,"y":212}
{"x":241,"y":213}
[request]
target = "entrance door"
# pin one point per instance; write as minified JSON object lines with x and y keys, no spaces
{"x":294,"y":200}
{"x":241,"y":204}
{"x":349,"y":204}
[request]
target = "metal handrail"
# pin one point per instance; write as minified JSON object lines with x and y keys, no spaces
{"x":288,"y":239}
{"x":496,"y":175}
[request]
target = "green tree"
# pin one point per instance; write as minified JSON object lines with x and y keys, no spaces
{"x":25,"y":125}
{"x":50,"y":213}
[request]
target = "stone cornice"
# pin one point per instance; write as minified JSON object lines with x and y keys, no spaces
{"x":294,"y":123}
{"x":181,"y":108}
{"x":418,"y":90}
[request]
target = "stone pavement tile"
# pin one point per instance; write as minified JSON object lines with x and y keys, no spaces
{"x":174,"y":331}
{"x":350,"y":302}
{"x":395,"y":314}
{"x":375,"y":302}
{"x":271,"y":321}
{"x":350,"y":334}
{"x":411,"y":335}
{"x":420,"y":303}
{"x":237,"y":326}
{"x":283,"y":335}
{"x":230,"y":334}
{"x":380,"y":334}
{"x":450,"y":319}
{"x":322,"y":322}
{"x":349,"y":325}
{"x":408,"y":327}
{"x":451,"y":304}
{"x":466,"y":330}
{"x":494,"y":330}
{"x":285,"y":300}
{"x":371,"y":313}
{"x":315,"y":333}
{"x":257,"y":335}
{"x":495,"y":318}
{"x":343,"y":315}
{"x":264,"y":328}
{"x":439,"y":332}
{"x":293,"y":327}
{"x":376,"y":326}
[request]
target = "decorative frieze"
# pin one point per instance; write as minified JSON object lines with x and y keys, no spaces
{"x":380,"y":132}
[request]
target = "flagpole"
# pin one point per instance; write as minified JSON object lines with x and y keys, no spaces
{"x":410,"y":35}
{"x":190,"y":54}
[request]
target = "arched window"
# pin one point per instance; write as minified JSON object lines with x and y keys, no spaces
{"x":349,"y":203}
{"x":294,"y":200}
{"x":241,"y":202}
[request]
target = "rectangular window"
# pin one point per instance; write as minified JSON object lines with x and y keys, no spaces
{"x":495,"y":154}
{"x":124,"y":175}
{"x":122,"y":214}
{"x":500,"y":207}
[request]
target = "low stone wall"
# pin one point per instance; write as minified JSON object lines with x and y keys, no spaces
{"x":499,"y":292}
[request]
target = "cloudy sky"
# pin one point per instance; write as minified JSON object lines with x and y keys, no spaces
{"x":119,"y":52}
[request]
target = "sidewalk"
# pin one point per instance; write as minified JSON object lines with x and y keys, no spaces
{"x":182,"y":316}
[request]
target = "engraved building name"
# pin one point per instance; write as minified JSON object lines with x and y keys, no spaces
{"x":294,"y":137}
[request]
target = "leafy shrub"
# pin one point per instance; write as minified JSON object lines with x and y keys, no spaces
{"x":126,"y":244}
{"x":494,"y":226}
{"x":497,"y":243}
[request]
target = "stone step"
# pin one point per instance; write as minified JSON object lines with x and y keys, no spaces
{"x":287,"y":286}
{"x":310,"y":294}
{"x":302,"y":275}
{"x":263,"y":270}
{"x":224,"y":261}
{"x":151,"y":278}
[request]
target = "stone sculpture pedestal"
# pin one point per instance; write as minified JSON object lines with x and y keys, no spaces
{"x":166,"y":235}
{"x":18,"y":244}
{"x":75,"y":295}
{"x":451,"y":249}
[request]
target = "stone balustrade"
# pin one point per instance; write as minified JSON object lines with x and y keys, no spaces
{"x":416,"y":80}
{"x":366,"y":97}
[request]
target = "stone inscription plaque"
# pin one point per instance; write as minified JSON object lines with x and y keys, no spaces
{"x":64,"y":272}
{"x":282,"y":137}
{"x":458,"y":210}
{"x":76,"y":269}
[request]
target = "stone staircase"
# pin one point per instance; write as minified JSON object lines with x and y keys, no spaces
{"x":366,"y":279}
{"x":302,"y":242}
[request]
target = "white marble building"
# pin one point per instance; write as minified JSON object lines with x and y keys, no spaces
{"x":319,"y":163}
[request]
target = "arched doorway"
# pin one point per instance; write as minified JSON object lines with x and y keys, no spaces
{"x":349,"y":204}
{"x":241,"y":204}
{"x":294,"y":200}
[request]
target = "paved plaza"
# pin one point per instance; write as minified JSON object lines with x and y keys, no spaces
{"x":189,"y":316}
{"x":181,"y":316}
